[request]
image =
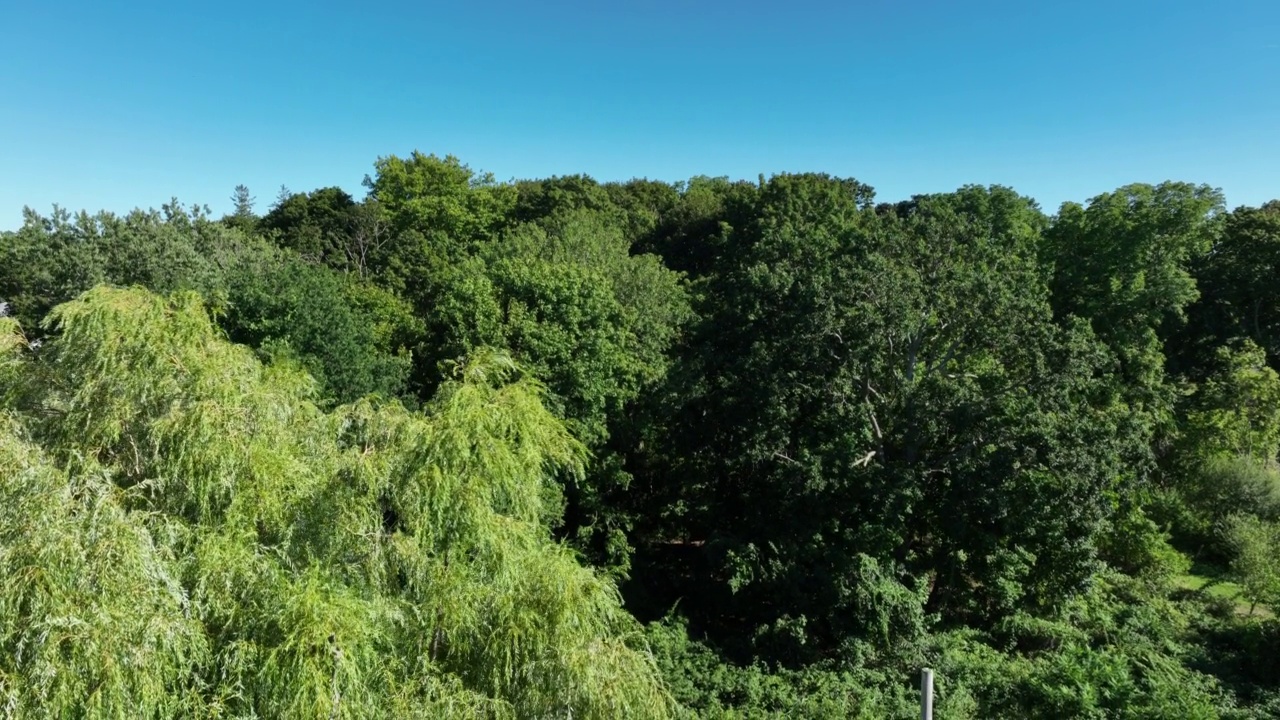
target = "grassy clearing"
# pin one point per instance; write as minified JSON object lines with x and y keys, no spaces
{"x":1217,"y":587}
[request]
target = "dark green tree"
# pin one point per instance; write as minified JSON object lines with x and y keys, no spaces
{"x":889,"y":388}
{"x":289,"y":308}
{"x":50,"y":260}
{"x":242,"y":216}
{"x":1238,"y":296}
{"x":1124,"y":263}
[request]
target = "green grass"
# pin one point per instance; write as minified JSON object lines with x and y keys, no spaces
{"x":1217,"y":587}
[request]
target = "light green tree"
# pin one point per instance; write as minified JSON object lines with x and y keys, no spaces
{"x":1256,"y":565}
{"x":1236,"y":411}
{"x":186,"y":534}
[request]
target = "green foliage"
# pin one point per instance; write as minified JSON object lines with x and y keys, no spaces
{"x":830,"y":442}
{"x":1212,"y":493}
{"x":52,"y":259}
{"x":641,"y":308}
{"x":316,"y":225}
{"x":1238,"y":297}
{"x":290,"y":308}
{"x":274,"y":301}
{"x":450,"y":206}
{"x":891,"y":386}
{"x":1106,"y":657}
{"x":1124,"y":264}
{"x":242,"y":216}
{"x":538,"y":200}
{"x":1123,"y":261}
{"x":709,"y":687}
{"x":1236,"y":411}
{"x":1256,"y":564}
{"x":695,"y":234}
{"x":520,"y":291}
{"x":545,"y":270}
{"x":1240,"y":654}
{"x":1117,"y":651}
{"x":284,"y":561}
{"x":1139,"y":547}
{"x":93,"y":619}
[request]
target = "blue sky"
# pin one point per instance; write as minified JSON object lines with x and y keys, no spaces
{"x":115,"y":105}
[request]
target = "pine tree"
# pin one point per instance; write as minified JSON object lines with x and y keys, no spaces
{"x":243,"y":202}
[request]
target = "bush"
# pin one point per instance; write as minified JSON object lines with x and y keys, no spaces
{"x":1216,"y":491}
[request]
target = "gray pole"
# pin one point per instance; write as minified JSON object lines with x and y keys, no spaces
{"x":926,"y":694}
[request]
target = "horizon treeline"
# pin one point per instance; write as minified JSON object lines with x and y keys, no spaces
{"x":715,"y":449}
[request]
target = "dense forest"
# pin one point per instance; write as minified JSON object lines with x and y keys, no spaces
{"x":568,"y":449}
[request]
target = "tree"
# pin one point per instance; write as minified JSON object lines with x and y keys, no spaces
{"x":316,"y":225}
{"x":1237,"y":293}
{"x":644,"y":203}
{"x":545,"y":270}
{"x":538,"y":200}
{"x":367,"y":236}
{"x":1124,"y":263}
{"x":242,"y":202}
{"x":448,"y":205}
{"x":693,"y":235}
{"x":289,"y":308}
{"x":889,"y":387}
{"x":185,"y":533}
{"x":437,"y":212}
{"x":328,"y":226}
{"x":584,"y":316}
{"x":50,"y":260}
{"x":822,"y":441}
{"x":1235,"y":411}
{"x":242,"y":216}
{"x":1256,"y":564}
{"x":1208,"y":495}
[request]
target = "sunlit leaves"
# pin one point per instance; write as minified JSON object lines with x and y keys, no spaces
{"x":1256,"y":564}
{"x":93,"y":620}
{"x":288,"y":562}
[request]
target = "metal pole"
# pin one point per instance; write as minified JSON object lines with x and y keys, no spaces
{"x":926,"y":694}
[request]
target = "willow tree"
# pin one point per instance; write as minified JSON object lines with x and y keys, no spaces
{"x":184,"y":533}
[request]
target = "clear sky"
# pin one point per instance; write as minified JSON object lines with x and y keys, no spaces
{"x":121,"y":104}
